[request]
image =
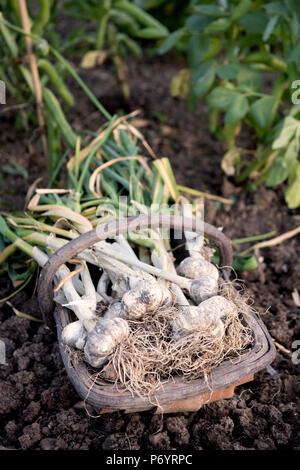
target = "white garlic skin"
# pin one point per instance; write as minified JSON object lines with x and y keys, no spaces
{"x":205,"y":317}
{"x":193,"y":267}
{"x":132,"y":307}
{"x":217,"y":306}
{"x":203,"y":288}
{"x":128,"y":281}
{"x":147,"y":297}
{"x":139,"y":278}
{"x":74,"y":335}
{"x":103,"y":339}
{"x":114,"y":311}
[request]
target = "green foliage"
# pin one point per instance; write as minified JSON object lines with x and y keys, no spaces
{"x":121,"y":24}
{"x":17,"y":75}
{"x":229,"y":45}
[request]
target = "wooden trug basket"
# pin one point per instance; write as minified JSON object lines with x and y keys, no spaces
{"x":177,"y":394}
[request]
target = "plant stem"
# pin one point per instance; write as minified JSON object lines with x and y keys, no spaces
{"x":80,"y":82}
{"x":179,"y":280}
{"x":195,"y":192}
{"x":34,"y":72}
{"x":254,"y":238}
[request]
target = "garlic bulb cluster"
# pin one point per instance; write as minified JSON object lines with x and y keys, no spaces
{"x":205,"y":317}
{"x":135,"y":289}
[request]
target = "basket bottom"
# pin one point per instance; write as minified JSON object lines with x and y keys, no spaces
{"x":193,"y":403}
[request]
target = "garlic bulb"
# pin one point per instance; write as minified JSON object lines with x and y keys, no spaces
{"x":202,"y":288}
{"x":74,"y":334}
{"x":102,"y":340}
{"x":218,"y":305}
{"x":193,"y":267}
{"x":205,"y":317}
{"x":139,"y":277}
{"x":113,"y":311}
{"x":147,"y":297}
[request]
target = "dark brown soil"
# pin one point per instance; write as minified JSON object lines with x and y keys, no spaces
{"x":39,"y":409}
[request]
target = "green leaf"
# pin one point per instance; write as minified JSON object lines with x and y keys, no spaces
{"x":254,"y":22}
{"x":197,"y":49}
{"x":204,"y":83}
{"x":218,"y":26}
{"x":292,"y":194}
{"x":197,"y":22}
{"x":192,"y":100}
{"x":262,"y":112}
{"x":237,"y":110}
{"x":292,"y":152}
{"x":201,"y":71}
{"x":209,"y":10}
{"x":2,"y":244}
{"x":290,"y":125}
{"x":241,"y":9}
{"x":221,"y":98}
{"x":276,"y":8}
{"x":270,"y":27}
{"x":278,"y":172}
{"x":15,"y":275}
{"x":14,"y":168}
{"x":170,"y":42}
{"x":228,"y":71}
{"x":244,"y":262}
{"x":249,"y":79}
{"x":295,"y":53}
{"x":294,"y":7}
{"x":295,"y":25}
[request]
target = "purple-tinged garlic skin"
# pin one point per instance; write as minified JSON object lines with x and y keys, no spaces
{"x":203,"y":288}
{"x":193,"y":267}
{"x":103,"y":339}
{"x":74,"y":335}
{"x":147,"y":297}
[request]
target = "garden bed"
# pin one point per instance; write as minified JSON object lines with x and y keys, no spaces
{"x":39,"y":408}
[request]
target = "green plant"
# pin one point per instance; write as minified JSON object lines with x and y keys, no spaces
{"x":24,"y":85}
{"x":121,"y":25}
{"x":233,"y":49}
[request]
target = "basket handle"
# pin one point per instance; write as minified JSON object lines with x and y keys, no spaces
{"x":86,"y":240}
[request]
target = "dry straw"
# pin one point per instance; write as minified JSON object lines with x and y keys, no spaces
{"x":150,"y":355}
